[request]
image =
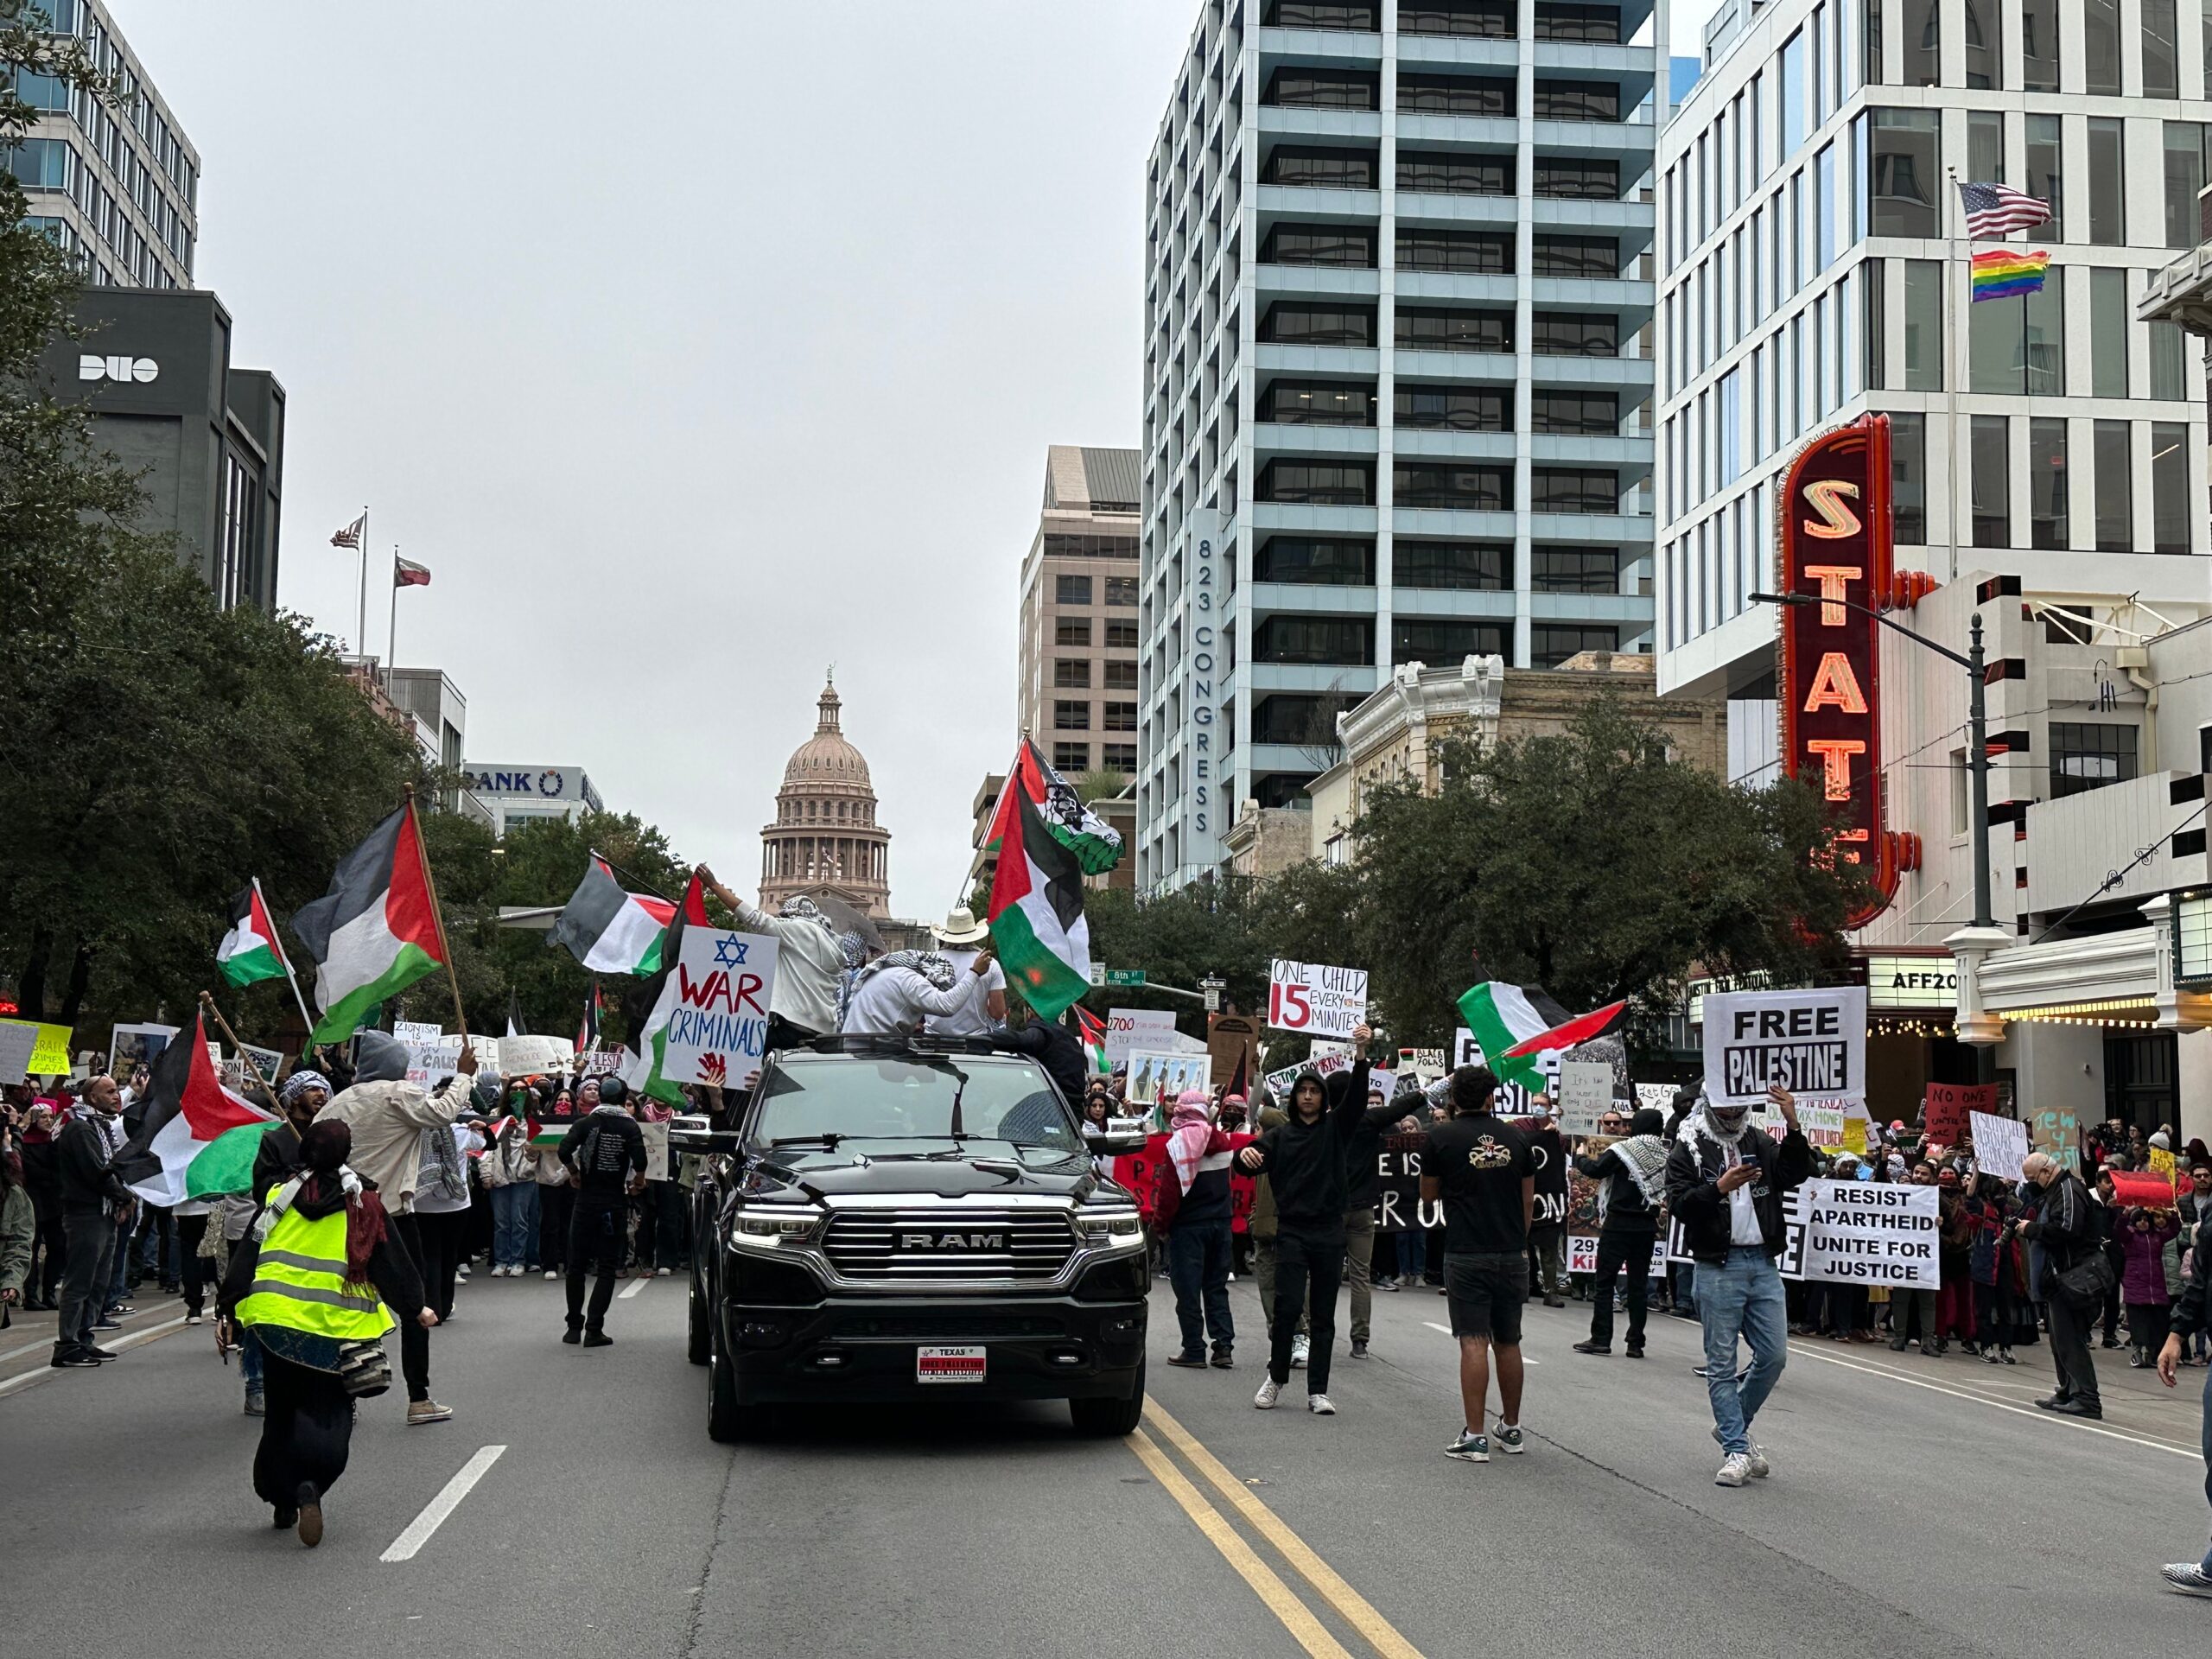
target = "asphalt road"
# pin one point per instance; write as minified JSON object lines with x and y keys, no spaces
{"x":1917,"y":1506}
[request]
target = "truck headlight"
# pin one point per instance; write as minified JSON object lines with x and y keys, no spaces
{"x":775,"y":1230}
{"x":1112,"y":1229}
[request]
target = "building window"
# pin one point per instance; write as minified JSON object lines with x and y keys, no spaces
{"x":1597,"y":413}
{"x":2046,"y":170}
{"x":1295,"y":323}
{"x":1550,"y":645}
{"x":2166,"y":362}
{"x":1793,"y":94}
{"x":1454,"y":409}
{"x":1122,"y":593}
{"x":1118,"y":757}
{"x":1467,"y":252}
{"x":1317,"y":403}
{"x":1342,"y":246}
{"x":1476,"y":567}
{"x":2161,"y":49}
{"x":1121,"y":636}
{"x":1071,"y":757}
{"x":1909,"y":478}
{"x":1315,"y":561}
{"x":2184,"y":154}
{"x":2169,"y":487}
{"x":1906,"y":172}
{"x":1985,"y":31}
{"x":1347,"y":641}
{"x":1490,"y":20}
{"x":2039,"y":46}
{"x":1121,"y":677}
{"x":1573,"y":489}
{"x":1455,"y":94}
{"x":1436,"y":329}
{"x":1321,"y":483}
{"x":1070,"y":589}
{"x":1574,"y":333}
{"x":1450,"y":172}
{"x":1320,"y":14}
{"x":2108,"y":182}
{"x":1578,"y":100}
{"x":2048,"y":508}
{"x":1073,"y":672}
{"x":1577,"y":256}
{"x":1062,"y":544}
{"x":1989,"y":439}
{"x":2108,"y":332}
{"x":1071,"y":631}
{"x":2101,"y":36}
{"x":1324,"y":89}
{"x":2021,"y":347}
{"x":1574,"y":569}
{"x":1334,"y":169}
{"x":2115,"y":486}
{"x":1121,"y":716}
{"x":1438,"y":639}
{"x":1557,"y":20}
{"x":2086,"y":755}
{"x":1454,"y":484}
{"x":1924,"y":43}
{"x":1578,"y":180}
{"x":1069,"y":716}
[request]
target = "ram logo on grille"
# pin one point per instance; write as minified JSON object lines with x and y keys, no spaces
{"x":946,"y":1242}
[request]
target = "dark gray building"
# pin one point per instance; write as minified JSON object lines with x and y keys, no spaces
{"x":207,"y":438}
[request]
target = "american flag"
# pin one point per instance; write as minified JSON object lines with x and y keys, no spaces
{"x":351,"y":535}
{"x":1993,"y":210}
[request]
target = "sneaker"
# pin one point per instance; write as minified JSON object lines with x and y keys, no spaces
{"x":1188,"y":1362}
{"x":1470,"y":1447}
{"x":1224,"y":1359}
{"x":660,"y":1273}
{"x":310,"y":1521}
{"x":65,"y":1359}
{"x":1634,"y":1350}
{"x":2187,"y":1577}
{"x":598,"y":1340}
{"x":1301,"y":1349}
{"x":101,"y":1354}
{"x":1321,"y":1405}
{"x":1359,"y":1347}
{"x":1735,"y":1470}
{"x":551,"y":1273}
{"x":2135,"y":1359}
{"x":1594,"y":1347}
{"x":573,"y":1335}
{"x":1508,"y":1436}
{"x":191,"y":1319}
{"x":105,"y":1322}
{"x":1394,"y":1286}
{"x":119,"y":1310}
{"x":427,"y":1411}
{"x":256,"y":1404}
{"x":1270,"y":1391}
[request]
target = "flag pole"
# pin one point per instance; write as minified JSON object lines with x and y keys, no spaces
{"x":1961,"y":485}
{"x":392,"y":632}
{"x":285,"y":957}
{"x":437,"y":915}
{"x":207,"y":1003}
{"x":361,"y":627}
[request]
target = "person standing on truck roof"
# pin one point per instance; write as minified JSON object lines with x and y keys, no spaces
{"x":894,"y":994}
{"x":1304,"y":1160}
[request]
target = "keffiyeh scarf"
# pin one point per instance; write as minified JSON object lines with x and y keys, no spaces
{"x":930,"y":966}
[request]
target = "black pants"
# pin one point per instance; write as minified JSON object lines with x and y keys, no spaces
{"x":1306,"y":1258}
{"x":306,"y":1435}
{"x":1993,"y":1315}
{"x":92,"y":1264}
{"x":442,"y":1234}
{"x":2148,"y":1324}
{"x":2112,"y":1311}
{"x":554,"y":1205}
{"x":51,"y":1245}
{"x":1628,"y":1253}
{"x":2069,"y":1348}
{"x":193,"y":1266}
{"x":660,"y":1225}
{"x":595,"y":1230}
{"x":414,"y":1340}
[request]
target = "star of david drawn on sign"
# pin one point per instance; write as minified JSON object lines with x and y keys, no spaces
{"x":729,"y":953}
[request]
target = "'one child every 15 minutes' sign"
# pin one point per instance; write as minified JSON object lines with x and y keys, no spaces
{"x":1314,"y":1000}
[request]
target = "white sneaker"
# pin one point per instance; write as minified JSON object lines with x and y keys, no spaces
{"x":1270,"y":1391}
{"x":1754,"y":1460}
{"x":549,"y":1274}
{"x":1301,"y":1348}
{"x":1319,"y":1405}
{"x":1735,"y":1470}
{"x":660,"y":1273}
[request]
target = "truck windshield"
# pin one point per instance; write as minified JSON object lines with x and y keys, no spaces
{"x":896,"y":1099}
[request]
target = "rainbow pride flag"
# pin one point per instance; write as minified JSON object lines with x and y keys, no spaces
{"x":2001,"y":274}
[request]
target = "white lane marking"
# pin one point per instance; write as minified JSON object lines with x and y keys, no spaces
{"x":114,"y":1345}
{"x":47,"y":1346}
{"x":424,"y":1526}
{"x":631,"y":1289}
{"x":1999,"y":1405}
{"x":1447,"y":1329}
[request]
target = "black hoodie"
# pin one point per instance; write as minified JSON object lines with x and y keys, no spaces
{"x":1304,"y":1162}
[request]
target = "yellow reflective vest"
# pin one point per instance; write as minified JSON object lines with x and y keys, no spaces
{"x":300,"y":1282}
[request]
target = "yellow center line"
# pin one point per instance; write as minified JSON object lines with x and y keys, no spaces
{"x":1355,"y":1609}
{"x":1270,"y":1589}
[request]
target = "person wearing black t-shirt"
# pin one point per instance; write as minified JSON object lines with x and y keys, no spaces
{"x":1482,"y":1171}
{"x":605,"y":1154}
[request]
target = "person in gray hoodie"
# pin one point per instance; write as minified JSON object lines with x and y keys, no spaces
{"x":386,"y":1116}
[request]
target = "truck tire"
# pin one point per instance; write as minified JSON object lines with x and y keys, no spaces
{"x":1109,"y":1417}
{"x":695,"y":1349}
{"x":725,"y":1417}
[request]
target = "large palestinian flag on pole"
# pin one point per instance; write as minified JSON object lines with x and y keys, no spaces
{"x":197,"y":1138}
{"x":250,"y":950}
{"x":1095,"y":844}
{"x":1036,"y":911}
{"x":376,"y":931}
{"x":1517,"y":1025}
{"x":611,"y":931}
{"x":651,"y":1002}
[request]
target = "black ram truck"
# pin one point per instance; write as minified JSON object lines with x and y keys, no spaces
{"x":901,"y":1218}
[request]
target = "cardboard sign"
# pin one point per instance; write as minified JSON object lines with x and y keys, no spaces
{"x":267,"y":1061}
{"x":1944,"y":1110}
{"x":17,"y":1044}
{"x":1810,"y":1042}
{"x":1582,"y":1255}
{"x":1870,"y":1233}
{"x":1156,"y":1079}
{"x":717,"y":1029}
{"x":2163,"y":1165}
{"x":130,"y":1046}
{"x":2056,"y":1131}
{"x":1315,"y":1000}
{"x":1586,"y":1094}
{"x":49,"y":1052}
{"x":1424,"y":1064}
{"x":605,"y":1062}
{"x":533,"y":1056}
{"x":1129,"y":1030}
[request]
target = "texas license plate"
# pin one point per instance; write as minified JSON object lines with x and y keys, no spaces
{"x":949,"y":1364}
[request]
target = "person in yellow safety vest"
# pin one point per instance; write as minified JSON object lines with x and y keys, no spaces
{"x":318,"y":1270}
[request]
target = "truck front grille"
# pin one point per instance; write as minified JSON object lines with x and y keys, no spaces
{"x":949,"y":1247}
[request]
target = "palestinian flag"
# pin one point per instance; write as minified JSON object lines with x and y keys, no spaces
{"x":651,"y":1002}
{"x":250,"y":950}
{"x":1517,"y":1024}
{"x":610,"y":930}
{"x":197,"y":1139}
{"x":1095,"y":844}
{"x":1092,"y":1031}
{"x":376,"y":931}
{"x":1240,"y":1081}
{"x":1036,"y":912}
{"x":587,"y":1030}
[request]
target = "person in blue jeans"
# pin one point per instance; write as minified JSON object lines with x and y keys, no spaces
{"x":2192,"y":1578}
{"x":1190,"y":1204}
{"x":1725,"y":1182}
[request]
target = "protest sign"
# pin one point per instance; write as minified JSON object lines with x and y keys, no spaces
{"x":2136,"y":1189}
{"x":717,"y":1029}
{"x":1582,"y":1255}
{"x":2056,"y":1131}
{"x":605,"y":1062}
{"x":1398,"y":1206}
{"x":17,"y":1044}
{"x":48,"y":1055}
{"x":1870,"y":1233}
{"x":1586,"y":1094}
{"x":2163,"y":1166}
{"x":1424,"y":1064}
{"x":1131,"y":1030}
{"x":1514,"y":1099}
{"x":1156,"y":1079}
{"x":1316,"y":999}
{"x":656,"y":1136}
{"x":1789,"y":1264}
{"x":130,"y":1046}
{"x":1660,"y":1096}
{"x":1943,"y":1109}
{"x":431,"y":1054}
{"x":1232,"y":1041}
{"x":523,"y":1055}
{"x":1810,"y":1042}
{"x":267,"y":1061}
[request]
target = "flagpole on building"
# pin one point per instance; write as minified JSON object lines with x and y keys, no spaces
{"x":1961,"y":485}
{"x":437,"y":915}
{"x":207,"y":1003}
{"x":285,"y":957}
{"x":392,"y":632}
{"x":361,"y":627}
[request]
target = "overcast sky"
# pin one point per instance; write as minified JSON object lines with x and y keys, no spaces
{"x":692,"y":348}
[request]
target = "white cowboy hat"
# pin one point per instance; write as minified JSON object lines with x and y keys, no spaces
{"x":961,"y":927}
